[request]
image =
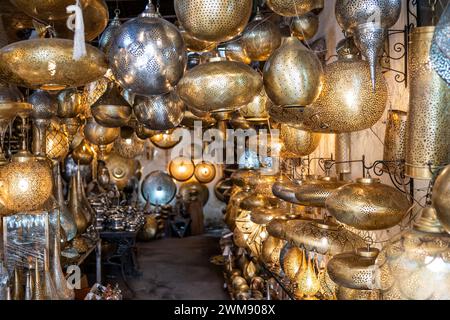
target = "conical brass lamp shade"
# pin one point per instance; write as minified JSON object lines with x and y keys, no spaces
{"x":368,"y":204}
{"x":52,"y":64}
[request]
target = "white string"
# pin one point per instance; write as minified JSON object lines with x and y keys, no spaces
{"x":76,"y":24}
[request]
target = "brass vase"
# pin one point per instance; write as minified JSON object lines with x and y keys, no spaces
{"x":75,"y":206}
{"x":394,"y":141}
{"x":428,"y":129}
{"x":67,"y":220}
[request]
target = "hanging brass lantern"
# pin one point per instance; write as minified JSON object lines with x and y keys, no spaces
{"x":292,"y":8}
{"x":147,"y":55}
{"x":440,"y":48}
{"x":181,"y":169}
{"x":441,"y":197}
{"x":293,"y":116}
{"x":144,"y":133}
{"x":162,"y":112}
{"x":368,"y":204}
{"x":158,"y":188}
{"x":415,"y":265}
{"x":99,"y":135}
{"x":260,"y":38}
{"x":262,"y":184}
{"x":165,"y":140}
{"x":213,"y":20}
{"x":343,"y":152}
{"x":83,"y":153}
{"x":205,"y":172}
{"x":52,"y":64}
{"x":285,"y":189}
{"x":109,"y":34}
{"x":44,"y":105}
{"x":322,"y":237}
{"x":305,"y":27}
{"x":219,"y":86}
{"x":298,"y":143}
{"x":428,"y":133}
{"x":112,"y":110}
{"x":190,"y":118}
{"x":195,"y":45}
{"x":234,"y":51}
{"x":293,"y":74}
{"x":57,"y":144}
{"x":121,"y":170}
{"x":355,"y":270}
{"x":394,"y":141}
{"x":129,"y":148}
{"x":71,"y":103}
{"x":347,"y":102}
{"x":306,"y":280}
{"x":257,"y":109}
{"x":46,"y":9}
{"x":315,"y":192}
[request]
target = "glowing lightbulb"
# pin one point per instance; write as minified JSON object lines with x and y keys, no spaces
{"x":23,"y":185}
{"x":128,"y":141}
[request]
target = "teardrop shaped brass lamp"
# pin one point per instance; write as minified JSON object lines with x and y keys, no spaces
{"x":83,"y":153}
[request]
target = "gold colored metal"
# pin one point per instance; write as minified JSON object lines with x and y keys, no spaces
{"x":344,"y":293}
{"x":239,"y":238}
{"x":121,"y":169}
{"x":205,"y":172}
{"x":322,"y":237}
{"x":292,"y":262}
{"x":219,"y":86}
{"x":292,"y":8}
{"x":187,"y":188}
{"x":261,"y":38}
{"x":213,"y":20}
{"x":165,"y":140}
{"x":190,"y":118}
{"x":262,"y":184}
{"x":394,"y":141}
{"x":181,"y":168}
{"x":257,"y":109}
{"x":285,"y":189}
{"x":129,"y":148}
{"x":342,"y":151}
{"x":305,"y":27}
{"x":44,"y":105}
{"x":307,"y":283}
{"x":314,"y":193}
{"x":195,"y":45}
{"x":368,"y":204}
{"x":415,"y":265}
{"x":144,"y":133}
{"x":46,"y":9}
{"x":52,"y":64}
{"x":223,"y":190}
{"x":57,"y":144}
{"x":149,"y":230}
{"x":270,"y":253}
{"x":83,"y":153}
{"x":71,"y":103}
{"x":38,"y":285}
{"x":355,"y":270}
{"x":98,"y":134}
{"x":441,"y":197}
{"x":233,"y":207}
{"x":293,"y":74}
{"x":348,"y":102}
{"x":428,"y":133}
{"x":264,"y":215}
{"x":234,"y":51}
{"x":74,"y":207}
{"x":112,"y":110}
{"x":298,"y":143}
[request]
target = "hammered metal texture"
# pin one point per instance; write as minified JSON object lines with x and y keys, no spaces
{"x":441,"y":197}
{"x":161,"y":112}
{"x":440,"y":47}
{"x":158,"y":188}
{"x":219,"y":85}
{"x":298,"y":143}
{"x":368,"y":205}
{"x":57,"y":144}
{"x":394,"y":141}
{"x":52,"y":64}
{"x":323,"y":238}
{"x":95,"y":17}
{"x":129,"y":148}
{"x":213,"y":20}
{"x":108,"y":35}
{"x":314,"y":193}
{"x":305,"y":27}
{"x":235,"y":51}
{"x":293,"y":74}
{"x":99,"y":135}
{"x":292,"y":8}
{"x":428,"y":129}
{"x":348,"y":102}
{"x":46,"y":9}
{"x":261,"y":38}
{"x":148,"y":55}
{"x":343,"y":152}
{"x":351,"y":13}
{"x":44,"y":105}
{"x":415,"y":266}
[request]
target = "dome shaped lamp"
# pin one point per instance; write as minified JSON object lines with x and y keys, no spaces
{"x":181,"y":169}
{"x":205,"y":172}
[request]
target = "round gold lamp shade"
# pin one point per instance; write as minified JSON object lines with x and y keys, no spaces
{"x":46,"y":9}
{"x":181,"y":169}
{"x":99,"y":135}
{"x":47,"y":64}
{"x":305,"y":27}
{"x":292,"y":8}
{"x":213,"y":20}
{"x":298,"y":143}
{"x":165,"y":140}
{"x":205,"y":172}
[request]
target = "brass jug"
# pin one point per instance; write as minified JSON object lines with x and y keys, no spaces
{"x":428,"y":130}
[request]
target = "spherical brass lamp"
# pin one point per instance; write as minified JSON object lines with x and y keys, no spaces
{"x":181,"y":168}
{"x":205,"y":172}
{"x":298,"y":143}
{"x":292,"y":8}
{"x":165,"y":140}
{"x":305,"y":27}
{"x":57,"y":144}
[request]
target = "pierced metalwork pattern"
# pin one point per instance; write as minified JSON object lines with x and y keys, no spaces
{"x":195,"y":45}
{"x":440,"y":47}
{"x":428,"y":133}
{"x":108,"y":35}
{"x":44,"y":105}
{"x":57,"y":144}
{"x":298,"y":143}
{"x":46,"y":9}
{"x":304,"y":27}
{"x":292,"y":8}
{"x":394,"y":140}
{"x":260,"y":38}
{"x":219,"y":85}
{"x":213,"y":20}
{"x":343,"y":152}
{"x":129,"y":148}
{"x":441,"y":197}
{"x":351,"y":13}
{"x":148,"y":55}
{"x":161,"y":112}
{"x":52,"y":64}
